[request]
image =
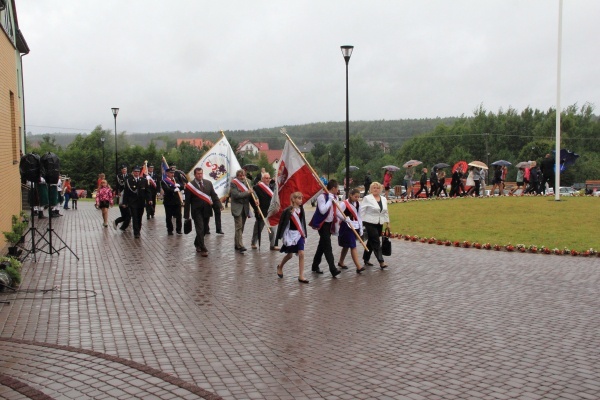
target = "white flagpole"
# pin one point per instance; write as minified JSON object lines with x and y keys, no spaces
{"x":558,"y":109}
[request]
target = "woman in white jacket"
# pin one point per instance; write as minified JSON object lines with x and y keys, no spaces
{"x":374,"y":213}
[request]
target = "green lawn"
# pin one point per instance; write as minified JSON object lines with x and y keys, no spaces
{"x":573,"y":222}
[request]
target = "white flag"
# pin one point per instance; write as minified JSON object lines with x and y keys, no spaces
{"x":219,"y":165}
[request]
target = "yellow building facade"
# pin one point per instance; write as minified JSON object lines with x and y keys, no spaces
{"x":12,"y":138}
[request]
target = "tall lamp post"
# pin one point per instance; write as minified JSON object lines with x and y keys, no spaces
{"x":328,"y":157}
{"x":115,"y":111}
{"x":102,"y":139}
{"x":347,"y":52}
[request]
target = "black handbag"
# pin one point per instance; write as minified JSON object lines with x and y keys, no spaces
{"x":187,"y":226}
{"x":386,"y":244}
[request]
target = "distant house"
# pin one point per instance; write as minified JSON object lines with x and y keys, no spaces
{"x":382,"y":145}
{"x":199,"y":143}
{"x":248,"y":147}
{"x":306,"y":147}
{"x":273,"y":156}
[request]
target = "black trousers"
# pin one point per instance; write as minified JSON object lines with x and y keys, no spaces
{"x":173,"y":211}
{"x":424,"y":187}
{"x":217,"y":212}
{"x":199,"y":224}
{"x":373,"y":242}
{"x":125,"y":217}
{"x":477,"y":187}
{"x":151,"y":207}
{"x":136,"y":217}
{"x":324,"y":248}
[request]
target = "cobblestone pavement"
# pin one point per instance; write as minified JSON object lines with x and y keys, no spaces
{"x":150,"y":318}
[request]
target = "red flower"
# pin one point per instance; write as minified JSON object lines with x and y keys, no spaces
{"x":510,"y":247}
{"x":477,"y":245}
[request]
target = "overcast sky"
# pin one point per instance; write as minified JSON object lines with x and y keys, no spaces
{"x":195,"y":65}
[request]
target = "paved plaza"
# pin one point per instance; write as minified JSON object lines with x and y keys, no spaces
{"x":150,"y":318}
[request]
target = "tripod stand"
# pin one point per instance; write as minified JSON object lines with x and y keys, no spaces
{"x":49,"y":230}
{"x":33,"y":230}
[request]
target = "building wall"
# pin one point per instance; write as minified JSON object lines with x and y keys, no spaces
{"x":10,"y":134}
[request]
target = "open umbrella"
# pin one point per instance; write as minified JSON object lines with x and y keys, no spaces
{"x":392,"y":168}
{"x":412,"y":163}
{"x":251,"y":167}
{"x":567,"y":158}
{"x":503,"y":163}
{"x":441,"y":165}
{"x":478,"y":164}
{"x":353,"y":168}
{"x":523,"y":164}
{"x":462,"y":164}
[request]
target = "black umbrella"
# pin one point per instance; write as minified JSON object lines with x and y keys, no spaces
{"x":503,"y":163}
{"x":251,"y":167}
{"x":567,"y":158}
{"x":441,"y":165}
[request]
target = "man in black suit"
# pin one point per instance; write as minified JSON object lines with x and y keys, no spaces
{"x":172,"y":201}
{"x":137,"y":194}
{"x":125,"y":217}
{"x":200,"y":197}
{"x":264,"y":193}
{"x":154,"y":188}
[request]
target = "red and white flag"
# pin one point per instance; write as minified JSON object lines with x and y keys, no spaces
{"x":292,"y":176}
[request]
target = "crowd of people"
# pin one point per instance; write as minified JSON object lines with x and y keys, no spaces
{"x":195,"y":202}
{"x":471,"y":181}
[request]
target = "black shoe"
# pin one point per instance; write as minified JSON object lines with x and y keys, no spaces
{"x":122,"y":229}
{"x":41,"y":215}
{"x":336,"y":273}
{"x":317,"y":271}
{"x":358,"y":271}
{"x":342,"y":266}
{"x":137,"y":236}
{"x":179,"y":232}
{"x":170,"y":233}
{"x":220,"y":232}
{"x":302,"y":280}
{"x":147,"y":217}
{"x":242,"y":249}
{"x":368,"y":264}
{"x":279,"y":274}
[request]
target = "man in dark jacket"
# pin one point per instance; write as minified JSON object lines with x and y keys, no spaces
{"x":549,"y":172}
{"x":137,"y":195}
{"x":200,"y":197}
{"x":125,"y":217}
{"x":172,"y":200}
{"x":264,"y":194}
{"x":423,"y":184}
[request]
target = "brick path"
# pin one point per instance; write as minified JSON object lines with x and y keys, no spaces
{"x":150,"y":318}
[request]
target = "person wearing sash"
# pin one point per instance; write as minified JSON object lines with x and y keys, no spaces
{"x":374,"y":213}
{"x":125,"y":217}
{"x":264,"y":194}
{"x":137,"y":195}
{"x":292,"y":229}
{"x":172,"y":201}
{"x":199,"y":202}
{"x":240,"y":207}
{"x":152,"y":180}
{"x":347,"y":238}
{"x":324,"y":220}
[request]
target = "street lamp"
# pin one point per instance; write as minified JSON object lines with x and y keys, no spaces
{"x":102,"y":139}
{"x":347,"y":52}
{"x":115,"y":111}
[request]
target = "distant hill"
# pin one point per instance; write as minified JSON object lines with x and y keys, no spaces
{"x":394,"y":132}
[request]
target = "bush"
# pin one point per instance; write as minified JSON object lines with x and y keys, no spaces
{"x":19,"y":226}
{"x":13,"y":268}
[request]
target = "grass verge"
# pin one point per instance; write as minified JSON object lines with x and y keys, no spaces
{"x":572,"y":222}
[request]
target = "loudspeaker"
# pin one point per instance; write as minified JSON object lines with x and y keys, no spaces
{"x":30,"y":168}
{"x":51,"y":165}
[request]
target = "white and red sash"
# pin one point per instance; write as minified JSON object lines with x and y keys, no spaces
{"x":198,"y":193}
{"x":265,"y":188}
{"x":296,"y":221}
{"x":352,"y":210}
{"x":169,"y":182}
{"x":239,"y":184}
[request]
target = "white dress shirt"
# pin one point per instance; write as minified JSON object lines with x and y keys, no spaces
{"x":370,"y":211}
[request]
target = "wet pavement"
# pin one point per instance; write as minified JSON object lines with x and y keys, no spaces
{"x":150,"y":318}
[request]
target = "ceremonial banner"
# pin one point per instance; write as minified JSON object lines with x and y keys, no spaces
{"x":219,"y":165}
{"x":292,"y":176}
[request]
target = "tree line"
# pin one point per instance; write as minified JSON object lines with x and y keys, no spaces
{"x":485,"y":136}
